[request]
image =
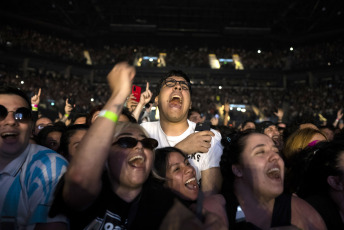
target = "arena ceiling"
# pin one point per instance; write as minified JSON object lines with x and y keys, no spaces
{"x":187,"y":20}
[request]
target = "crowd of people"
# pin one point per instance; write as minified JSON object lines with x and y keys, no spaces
{"x":320,"y":102}
{"x":16,"y":39}
{"x":110,"y":166}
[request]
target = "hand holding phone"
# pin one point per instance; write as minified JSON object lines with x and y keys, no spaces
{"x":136,"y":91}
{"x":202,"y":126}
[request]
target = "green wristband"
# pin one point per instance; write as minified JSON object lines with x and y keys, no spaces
{"x":109,"y":115}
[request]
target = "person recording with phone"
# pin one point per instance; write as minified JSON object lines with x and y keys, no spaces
{"x":204,"y":149}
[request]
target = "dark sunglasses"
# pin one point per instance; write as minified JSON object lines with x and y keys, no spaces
{"x":21,"y":114}
{"x":130,"y":142}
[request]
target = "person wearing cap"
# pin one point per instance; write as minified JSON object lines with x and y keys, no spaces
{"x":270,"y":129}
{"x":204,"y":149}
{"x":29,"y":173}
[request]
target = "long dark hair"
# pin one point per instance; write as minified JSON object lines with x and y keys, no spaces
{"x":161,"y":162}
{"x":233,"y":147}
{"x":311,"y":167}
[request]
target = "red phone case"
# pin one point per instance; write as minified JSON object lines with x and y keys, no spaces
{"x":136,"y":91}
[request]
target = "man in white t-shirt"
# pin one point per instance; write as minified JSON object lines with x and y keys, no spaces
{"x":174,"y":129}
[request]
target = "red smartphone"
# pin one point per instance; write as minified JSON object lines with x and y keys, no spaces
{"x":136,"y":91}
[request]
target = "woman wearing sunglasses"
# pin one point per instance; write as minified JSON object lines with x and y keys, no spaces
{"x":104,"y":187}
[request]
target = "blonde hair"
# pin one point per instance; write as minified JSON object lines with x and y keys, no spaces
{"x":299,"y":140}
{"x":124,"y":124}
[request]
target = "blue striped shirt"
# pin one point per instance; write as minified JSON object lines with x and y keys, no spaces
{"x":27,"y":186}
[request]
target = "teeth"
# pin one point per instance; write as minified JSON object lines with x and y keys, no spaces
{"x":191,"y":179}
{"x":8,"y":134}
{"x":135,"y":158}
{"x":274,"y":170}
{"x":176,"y":97}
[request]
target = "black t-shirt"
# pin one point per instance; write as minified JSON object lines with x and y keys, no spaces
{"x":281,"y":215}
{"x":109,"y":211}
{"x":328,"y":211}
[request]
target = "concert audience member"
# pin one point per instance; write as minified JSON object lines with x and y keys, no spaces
{"x":126,"y":115}
{"x":270,"y":129}
{"x":339,"y":117}
{"x":194,"y":115}
{"x":300,"y":139}
{"x":145,"y":117}
{"x":70,"y":140}
{"x":131,"y":103}
{"x":204,"y":149}
{"x":35,"y":99}
{"x":28,"y":172}
{"x":281,"y":127}
{"x":41,"y":123}
{"x":248,"y":124}
{"x":50,"y":136}
{"x":328,"y":131}
{"x":172,"y":170}
{"x":68,"y":108}
{"x":78,"y":118}
{"x":93,"y":114}
{"x":316,"y":175}
{"x":116,"y":197}
{"x":145,"y":98}
{"x":253,"y":173}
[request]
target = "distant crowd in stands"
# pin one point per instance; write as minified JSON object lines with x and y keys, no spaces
{"x":308,"y":56}
{"x":320,"y":103}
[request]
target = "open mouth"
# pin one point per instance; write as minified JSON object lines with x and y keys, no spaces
{"x":9,"y":135}
{"x":191,"y":183}
{"x":176,"y":99}
{"x":274,"y":173}
{"x":136,"y":161}
{"x":276,"y":138}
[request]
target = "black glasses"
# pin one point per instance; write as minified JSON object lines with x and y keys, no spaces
{"x":130,"y":142}
{"x":21,"y":114}
{"x":171,"y":83}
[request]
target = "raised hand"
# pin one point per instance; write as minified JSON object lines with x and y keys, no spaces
{"x":339,"y":114}
{"x":120,"y":80}
{"x":35,"y":99}
{"x":145,"y":96}
{"x":279,"y":114}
